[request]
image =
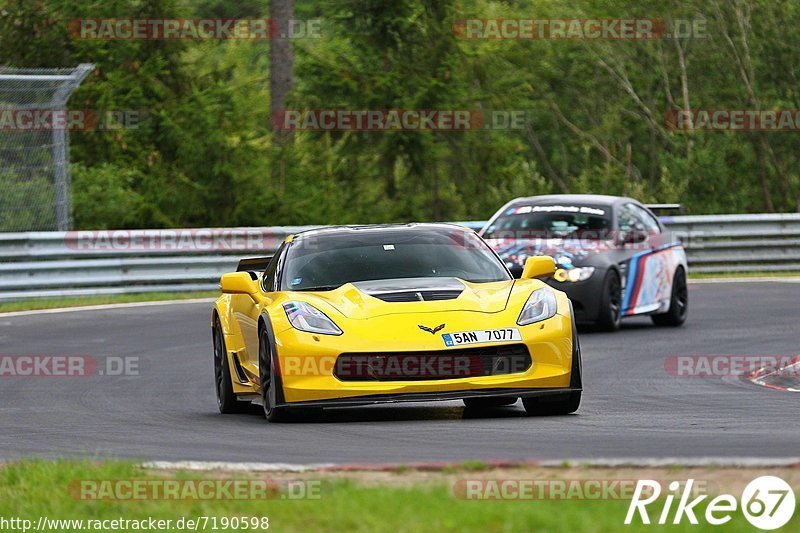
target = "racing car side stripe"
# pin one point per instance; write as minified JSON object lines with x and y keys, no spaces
{"x":632,"y":287}
{"x":632,"y":274}
{"x":640,"y":268}
{"x":636,"y":277}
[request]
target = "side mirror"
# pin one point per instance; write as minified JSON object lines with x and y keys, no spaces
{"x":538,"y":267}
{"x":238,"y":283}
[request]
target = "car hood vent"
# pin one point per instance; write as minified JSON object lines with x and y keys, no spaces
{"x":418,"y":296}
{"x":412,"y":289}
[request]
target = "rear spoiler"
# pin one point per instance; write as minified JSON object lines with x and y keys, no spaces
{"x":256,"y":264}
{"x":659,"y":209}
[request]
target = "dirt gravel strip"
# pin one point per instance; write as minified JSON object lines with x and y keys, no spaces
{"x":717,"y":475}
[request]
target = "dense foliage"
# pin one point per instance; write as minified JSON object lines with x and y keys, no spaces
{"x":204,"y":155}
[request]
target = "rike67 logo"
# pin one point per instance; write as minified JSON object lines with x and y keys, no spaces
{"x":768,"y":502}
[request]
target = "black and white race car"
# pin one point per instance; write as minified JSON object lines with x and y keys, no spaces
{"x":614,"y":257}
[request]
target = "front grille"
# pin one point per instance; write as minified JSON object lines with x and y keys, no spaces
{"x":431,"y":365}
{"x":418,"y":296}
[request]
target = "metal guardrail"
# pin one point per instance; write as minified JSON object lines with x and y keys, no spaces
{"x":739,"y":243}
{"x":58,"y":264}
{"x":83,"y":263}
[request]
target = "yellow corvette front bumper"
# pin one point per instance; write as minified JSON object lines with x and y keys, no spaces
{"x":307,"y":361}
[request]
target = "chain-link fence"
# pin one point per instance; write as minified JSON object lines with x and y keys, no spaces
{"x":34,"y":147}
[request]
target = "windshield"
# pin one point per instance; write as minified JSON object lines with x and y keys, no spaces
{"x":546,"y":221}
{"x":329,"y":260}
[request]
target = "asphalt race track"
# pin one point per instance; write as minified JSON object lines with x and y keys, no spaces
{"x":631,"y":408}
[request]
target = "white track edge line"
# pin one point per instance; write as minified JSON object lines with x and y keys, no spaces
{"x":635,"y":462}
{"x":205,"y":466}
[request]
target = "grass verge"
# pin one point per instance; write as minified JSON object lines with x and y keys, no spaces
{"x":79,"y":301}
{"x":33,"y":489}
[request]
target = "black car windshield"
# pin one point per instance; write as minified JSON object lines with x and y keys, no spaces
{"x":328,"y":260}
{"x":545,"y":221}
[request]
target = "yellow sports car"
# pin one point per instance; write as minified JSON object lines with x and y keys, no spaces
{"x":357,"y":315}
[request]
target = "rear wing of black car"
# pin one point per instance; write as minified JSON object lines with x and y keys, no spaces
{"x":255,"y":264}
{"x":664,"y":209}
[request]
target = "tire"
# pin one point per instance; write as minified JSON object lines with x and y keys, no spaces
{"x":610,"y":316}
{"x":566,"y":402}
{"x":226,"y":399}
{"x":488,"y":403}
{"x":678,"y":303}
{"x":271,"y":389}
{"x":553,"y":405}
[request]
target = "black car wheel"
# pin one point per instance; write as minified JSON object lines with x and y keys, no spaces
{"x":563,"y":403}
{"x":553,"y":405}
{"x":610,"y":315}
{"x":226,"y":399}
{"x":271,"y":393}
{"x":678,"y":304}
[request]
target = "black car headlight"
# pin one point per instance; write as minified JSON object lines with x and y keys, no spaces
{"x":573,"y":275}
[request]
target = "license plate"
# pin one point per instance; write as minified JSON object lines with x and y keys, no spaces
{"x":479,"y":336}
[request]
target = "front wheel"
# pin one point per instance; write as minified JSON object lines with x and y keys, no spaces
{"x":555,"y":405}
{"x":678,"y":303}
{"x":226,"y":399}
{"x":271,"y":391}
{"x":610,"y":316}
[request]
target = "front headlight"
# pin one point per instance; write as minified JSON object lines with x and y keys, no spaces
{"x":306,"y":317}
{"x":540,"y":306}
{"x":573,"y":274}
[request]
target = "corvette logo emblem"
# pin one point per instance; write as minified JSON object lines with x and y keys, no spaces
{"x":433,"y":331}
